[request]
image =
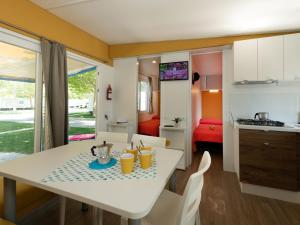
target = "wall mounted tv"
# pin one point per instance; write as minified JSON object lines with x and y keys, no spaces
{"x":174,"y":71}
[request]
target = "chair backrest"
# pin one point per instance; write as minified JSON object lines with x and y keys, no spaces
{"x":192,"y":194}
{"x":111,"y":137}
{"x":148,"y":140}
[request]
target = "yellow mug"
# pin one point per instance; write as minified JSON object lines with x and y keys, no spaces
{"x":149,"y":148}
{"x":132,"y":151}
{"x":146,"y":159}
{"x":127,"y":163}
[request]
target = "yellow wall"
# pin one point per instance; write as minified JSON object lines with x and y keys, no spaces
{"x":30,"y":17}
{"x":25,"y":15}
{"x":137,"y":49}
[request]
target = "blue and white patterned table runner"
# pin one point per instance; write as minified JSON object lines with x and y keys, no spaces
{"x":77,"y":170}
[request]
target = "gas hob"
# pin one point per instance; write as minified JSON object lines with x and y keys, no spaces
{"x":270,"y":123}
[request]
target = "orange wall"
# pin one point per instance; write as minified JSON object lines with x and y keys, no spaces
{"x":25,"y":15}
{"x":211,"y":105}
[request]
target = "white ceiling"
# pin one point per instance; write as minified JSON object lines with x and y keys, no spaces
{"x":129,"y":21}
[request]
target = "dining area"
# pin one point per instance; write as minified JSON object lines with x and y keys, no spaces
{"x":135,"y":180}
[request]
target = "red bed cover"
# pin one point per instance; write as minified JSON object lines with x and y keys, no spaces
{"x":150,"y":127}
{"x":209,"y":131}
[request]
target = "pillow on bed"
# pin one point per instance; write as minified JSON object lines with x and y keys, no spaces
{"x":156,"y":117}
{"x":211,"y":121}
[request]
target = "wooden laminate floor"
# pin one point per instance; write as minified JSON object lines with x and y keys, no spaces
{"x":222,"y":203}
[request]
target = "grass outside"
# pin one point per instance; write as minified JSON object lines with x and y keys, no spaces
{"x":23,"y":141}
{"x":81,"y":130}
{"x":9,"y":126}
{"x":82,"y":115}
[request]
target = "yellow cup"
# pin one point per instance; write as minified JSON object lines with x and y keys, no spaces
{"x":146,"y":148}
{"x":127,"y":162}
{"x":134,"y":152}
{"x":146,"y":159}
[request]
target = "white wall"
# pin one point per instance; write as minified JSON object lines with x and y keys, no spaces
{"x":196,"y":104}
{"x":125,"y":90}
{"x":282,"y":101}
{"x":227,"y":67}
{"x":176,"y":99}
{"x":243,"y":101}
{"x":104,"y":107}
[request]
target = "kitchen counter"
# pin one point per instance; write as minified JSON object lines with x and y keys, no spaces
{"x":286,"y":128}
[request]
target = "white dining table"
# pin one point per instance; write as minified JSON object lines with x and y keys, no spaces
{"x":131,"y":199}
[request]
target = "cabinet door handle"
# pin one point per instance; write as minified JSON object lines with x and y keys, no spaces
{"x":266,"y":143}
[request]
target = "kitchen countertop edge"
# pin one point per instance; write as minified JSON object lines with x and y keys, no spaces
{"x":287,"y":128}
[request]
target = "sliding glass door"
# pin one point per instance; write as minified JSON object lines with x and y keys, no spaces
{"x":18,"y":67}
{"x":82,"y":99}
{"x":21,"y":96}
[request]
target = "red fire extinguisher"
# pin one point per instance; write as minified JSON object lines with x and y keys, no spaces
{"x":109,"y":93}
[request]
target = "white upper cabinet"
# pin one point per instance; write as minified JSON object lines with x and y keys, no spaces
{"x":292,"y":57}
{"x":245,"y":60}
{"x":270,"y":58}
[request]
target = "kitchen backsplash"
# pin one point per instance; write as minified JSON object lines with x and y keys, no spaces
{"x":282,"y":101}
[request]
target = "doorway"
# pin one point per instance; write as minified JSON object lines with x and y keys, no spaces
{"x":148,"y":96}
{"x":207,"y":121}
{"x":82,"y":94}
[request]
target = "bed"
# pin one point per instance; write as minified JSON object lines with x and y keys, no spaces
{"x":150,"y":127}
{"x":209,"y":130}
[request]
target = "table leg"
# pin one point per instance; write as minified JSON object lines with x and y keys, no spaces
{"x":172,"y":185}
{"x":10,"y":200}
{"x":134,"y":222}
{"x":100,"y":217}
{"x":62,"y":209}
{"x":94,"y":216}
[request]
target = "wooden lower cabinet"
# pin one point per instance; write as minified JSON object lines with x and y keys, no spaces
{"x":269,"y":158}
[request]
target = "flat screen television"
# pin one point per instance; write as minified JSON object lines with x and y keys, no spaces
{"x":174,"y":71}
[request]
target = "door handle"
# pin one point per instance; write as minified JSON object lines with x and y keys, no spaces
{"x":266,"y":143}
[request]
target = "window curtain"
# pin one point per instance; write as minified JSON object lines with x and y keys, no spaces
{"x":150,"y":95}
{"x":54,"y":64}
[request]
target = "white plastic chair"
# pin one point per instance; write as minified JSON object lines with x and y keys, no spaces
{"x":174,"y":209}
{"x":149,"y":140}
{"x":111,"y":137}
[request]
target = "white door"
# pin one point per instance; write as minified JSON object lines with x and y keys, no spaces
{"x":292,"y":57}
{"x":245,"y":60}
{"x":270,"y":58}
{"x":125,"y":90}
{"x":104,"y":107}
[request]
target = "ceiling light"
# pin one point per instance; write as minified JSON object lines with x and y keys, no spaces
{"x":153,"y":61}
{"x":213,"y":91}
